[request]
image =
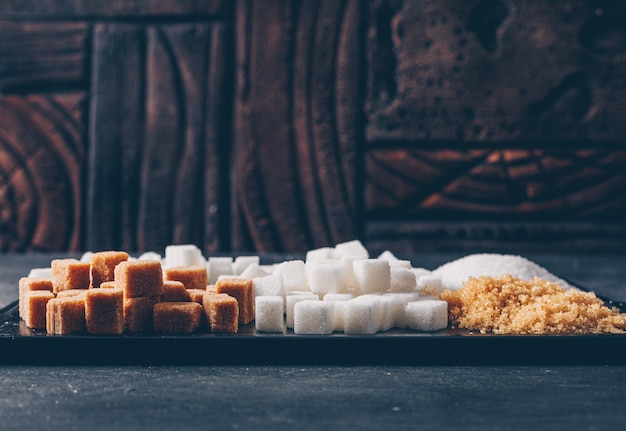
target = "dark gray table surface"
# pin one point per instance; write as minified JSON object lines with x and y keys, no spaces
{"x":315,"y":397}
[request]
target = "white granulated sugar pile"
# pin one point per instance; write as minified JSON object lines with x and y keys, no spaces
{"x":453,"y":274}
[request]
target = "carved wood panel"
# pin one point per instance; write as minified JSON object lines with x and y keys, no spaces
{"x":496,"y":70}
{"x":495,"y":124}
{"x":41,"y":159}
{"x":157,"y":137}
{"x":516,"y":184}
{"x":297,"y":124}
{"x":280,"y":125}
{"x":42,"y":151}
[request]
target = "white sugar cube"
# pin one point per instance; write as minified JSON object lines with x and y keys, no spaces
{"x":398,"y":302}
{"x":268,"y":268}
{"x":394,"y":261}
{"x":269,"y":285}
{"x":402,"y":280}
{"x":302,"y":292}
{"x":371,"y":275}
{"x":348,"y":261}
{"x":352,"y":248}
{"x":293,"y":273}
{"x":41,"y":273}
{"x":340,"y":300}
{"x":291,"y":301}
{"x":242,"y":262}
{"x":268,"y":313}
{"x":253,"y":271}
{"x":313,"y":317}
{"x":427,"y":315}
{"x":328,"y":277}
{"x":183,"y":255}
{"x":363,"y":315}
{"x":151,"y":256}
{"x":401,"y":264}
{"x":338,"y":297}
{"x":218,"y":266}
{"x":388,"y":321}
{"x":429,"y":282}
{"x":319,"y":254}
{"x":420,"y":272}
{"x":388,"y":256}
{"x":86,"y":257}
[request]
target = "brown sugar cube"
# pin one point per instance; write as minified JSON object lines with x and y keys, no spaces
{"x":71,"y":292}
{"x":196,"y":295}
{"x":103,"y":265}
{"x":241,"y":290}
{"x":104,"y":311}
{"x":211,"y":288}
{"x":108,"y":285}
{"x":138,"y":313}
{"x":139,"y":278}
{"x":174,"y":291}
{"x":35,"y":308}
{"x":27,"y":284}
{"x":69,"y":274}
{"x":193,"y":277}
{"x":221,"y":312}
{"x":65,"y":315}
{"x":177,"y":317}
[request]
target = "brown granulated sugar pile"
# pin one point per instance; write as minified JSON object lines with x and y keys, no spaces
{"x":509,"y":305}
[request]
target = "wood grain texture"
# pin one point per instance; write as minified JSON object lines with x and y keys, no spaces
{"x":514,"y":237}
{"x":111,"y":8}
{"x":496,"y":70}
{"x":297,"y":124}
{"x":42,"y":55}
{"x":41,"y":160}
{"x":152,"y":135}
{"x":515,"y":199}
{"x":492,"y":184}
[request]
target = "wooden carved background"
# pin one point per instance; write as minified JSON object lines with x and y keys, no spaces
{"x":283,"y":125}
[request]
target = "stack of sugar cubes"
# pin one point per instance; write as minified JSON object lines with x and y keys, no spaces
{"x":335,"y":289}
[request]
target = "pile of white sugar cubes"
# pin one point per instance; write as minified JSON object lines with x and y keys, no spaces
{"x":335,"y":289}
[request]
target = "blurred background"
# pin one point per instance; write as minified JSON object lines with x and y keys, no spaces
{"x":286,"y":125}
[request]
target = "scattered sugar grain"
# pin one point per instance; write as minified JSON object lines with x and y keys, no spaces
{"x":511,"y":305}
{"x":454,"y":273}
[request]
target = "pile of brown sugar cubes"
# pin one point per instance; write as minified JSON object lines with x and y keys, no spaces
{"x":113,"y":294}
